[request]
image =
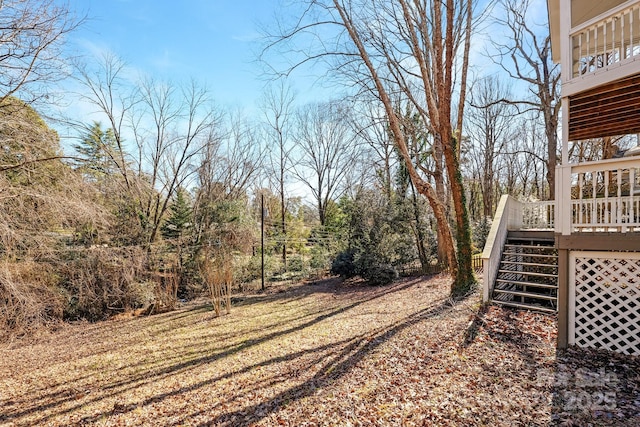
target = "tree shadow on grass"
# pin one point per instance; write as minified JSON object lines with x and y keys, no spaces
{"x":341,"y":363}
{"x":355,"y":349}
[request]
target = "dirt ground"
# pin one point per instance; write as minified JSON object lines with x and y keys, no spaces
{"x":318,"y":354}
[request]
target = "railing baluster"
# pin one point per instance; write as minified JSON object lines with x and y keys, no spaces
{"x":614,"y":57}
{"x":633,"y":211}
{"x":606,"y":202}
{"x":619,"y":219}
{"x":580,"y":54}
{"x":595,"y":48}
{"x":594,"y":193}
{"x":580,"y":197}
{"x":631,"y":34}
{"x":587,"y":65}
{"x":623,"y":51}
{"x":605,"y":57}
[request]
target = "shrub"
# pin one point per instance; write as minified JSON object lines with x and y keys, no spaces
{"x":380,"y":275}
{"x":296,"y":264}
{"x":320,"y":258}
{"x":29,"y":298}
{"x":249,"y":268}
{"x":343,"y":264}
{"x":104,"y":281}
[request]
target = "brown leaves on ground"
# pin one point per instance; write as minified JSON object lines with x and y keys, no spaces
{"x":324,"y":353}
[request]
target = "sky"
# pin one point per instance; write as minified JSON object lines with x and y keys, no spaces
{"x":212,"y":41}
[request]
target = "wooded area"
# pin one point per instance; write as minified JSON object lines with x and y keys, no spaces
{"x":312,"y":260}
{"x":160,"y":200}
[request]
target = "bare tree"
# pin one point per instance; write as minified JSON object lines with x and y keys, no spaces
{"x":229,"y":165}
{"x":31,"y":37}
{"x":326,"y":151}
{"x":526,"y":56}
{"x":419,"y":49}
{"x":521,"y":168}
{"x":232,"y":158}
{"x":277,"y":107}
{"x":490,"y":126}
{"x":372,"y":127}
{"x":182,"y":122}
{"x":107,"y":90}
{"x":168,"y":124}
{"x":530,"y":152}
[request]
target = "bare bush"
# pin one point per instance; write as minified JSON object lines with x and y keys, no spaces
{"x":104,"y":281}
{"x":218,"y":279}
{"x":29,"y":298}
{"x":165,"y":290}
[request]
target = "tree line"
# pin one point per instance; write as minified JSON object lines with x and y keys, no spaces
{"x":165,"y":196}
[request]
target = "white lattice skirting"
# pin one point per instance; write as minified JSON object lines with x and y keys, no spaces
{"x":604,"y":301}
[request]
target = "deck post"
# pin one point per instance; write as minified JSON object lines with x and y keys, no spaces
{"x":563,"y":199}
{"x":563,"y":297}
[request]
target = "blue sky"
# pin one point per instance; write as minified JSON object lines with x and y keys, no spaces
{"x":212,"y":41}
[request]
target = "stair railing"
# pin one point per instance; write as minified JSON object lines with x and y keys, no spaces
{"x":508,"y":217}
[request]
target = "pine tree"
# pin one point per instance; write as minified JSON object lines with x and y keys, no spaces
{"x":96,"y":149}
{"x":180,"y":218}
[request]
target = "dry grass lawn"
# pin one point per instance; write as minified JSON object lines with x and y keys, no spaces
{"x":318,"y":354}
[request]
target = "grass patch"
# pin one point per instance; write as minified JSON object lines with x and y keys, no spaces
{"x":327,"y":353}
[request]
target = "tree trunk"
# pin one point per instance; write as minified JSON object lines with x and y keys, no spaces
{"x":282,"y":210}
{"x":438,"y":177}
{"x":464,"y":278}
{"x":422,"y":252}
{"x":552,"y":149}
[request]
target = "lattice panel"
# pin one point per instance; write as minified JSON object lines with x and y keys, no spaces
{"x":607,"y":302}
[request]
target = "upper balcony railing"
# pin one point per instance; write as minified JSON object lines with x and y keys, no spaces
{"x":609,"y":40}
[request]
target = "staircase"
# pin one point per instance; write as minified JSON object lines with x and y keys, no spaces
{"x":528,"y":273}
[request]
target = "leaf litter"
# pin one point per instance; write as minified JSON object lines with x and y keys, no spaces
{"x":326,"y":353}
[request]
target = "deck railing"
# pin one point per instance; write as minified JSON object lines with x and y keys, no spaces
{"x":599,"y":196}
{"x":610,"y":39}
{"x":591,"y":197}
{"x":538,"y":215}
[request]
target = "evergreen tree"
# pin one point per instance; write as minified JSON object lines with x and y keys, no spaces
{"x":180,"y":218}
{"x":96,"y":149}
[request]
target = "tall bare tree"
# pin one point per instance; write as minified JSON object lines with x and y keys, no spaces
{"x":168,"y":126}
{"x":374,"y":131}
{"x":277,"y":106}
{"x":490,"y":125}
{"x":326,"y":151}
{"x":229,"y":165}
{"x":31,"y":37}
{"x":525,"y":54}
{"x":420,"y":49}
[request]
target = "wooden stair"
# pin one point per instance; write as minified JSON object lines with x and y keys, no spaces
{"x":528,"y":273}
